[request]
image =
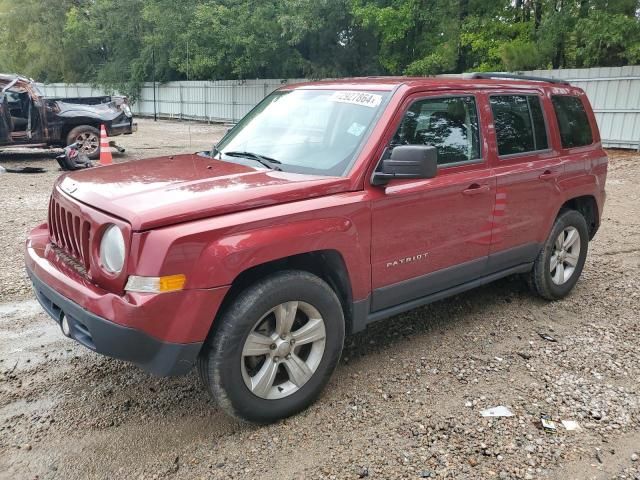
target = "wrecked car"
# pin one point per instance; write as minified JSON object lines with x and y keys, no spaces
{"x":28,"y":118}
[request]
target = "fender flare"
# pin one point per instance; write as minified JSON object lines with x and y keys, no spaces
{"x":229,"y":256}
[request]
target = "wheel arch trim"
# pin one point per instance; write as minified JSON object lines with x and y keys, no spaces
{"x":327,"y":264}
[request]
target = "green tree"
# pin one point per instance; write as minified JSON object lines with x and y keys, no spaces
{"x":612,"y":39}
{"x":122,"y":43}
{"x":31,"y":32}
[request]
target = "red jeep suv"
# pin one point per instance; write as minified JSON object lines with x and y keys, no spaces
{"x":331,"y":205}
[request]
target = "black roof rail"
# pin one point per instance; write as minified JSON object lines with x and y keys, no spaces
{"x":515,"y":76}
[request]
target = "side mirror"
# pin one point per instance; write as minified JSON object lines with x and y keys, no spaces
{"x":408,"y":161}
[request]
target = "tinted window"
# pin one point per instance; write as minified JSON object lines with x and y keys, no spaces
{"x":539,"y":127}
{"x":519,"y":123}
{"x":575,"y":130}
{"x":449,"y":124}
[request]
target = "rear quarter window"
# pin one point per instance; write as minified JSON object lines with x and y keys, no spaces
{"x":575,"y":130}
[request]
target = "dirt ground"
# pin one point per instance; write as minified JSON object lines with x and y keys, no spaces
{"x":404,"y":403}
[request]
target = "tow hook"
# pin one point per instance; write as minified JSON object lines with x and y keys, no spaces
{"x":65,"y":327}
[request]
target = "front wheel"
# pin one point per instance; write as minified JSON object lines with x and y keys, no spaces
{"x":275,"y":348}
{"x":560,"y":262}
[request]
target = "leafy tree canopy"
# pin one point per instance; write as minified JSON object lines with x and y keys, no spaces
{"x":121,"y":43}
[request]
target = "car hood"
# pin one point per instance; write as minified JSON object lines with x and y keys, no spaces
{"x":167,"y":190}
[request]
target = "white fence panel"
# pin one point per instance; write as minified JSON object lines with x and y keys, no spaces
{"x":220,"y":101}
{"x":614,"y":93}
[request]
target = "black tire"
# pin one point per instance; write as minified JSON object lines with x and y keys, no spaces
{"x":220,"y":362}
{"x":75,"y":135}
{"x":540,"y":277}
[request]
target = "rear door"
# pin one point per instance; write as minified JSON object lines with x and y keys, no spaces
{"x":429,"y":235}
{"x":527,"y":170}
{"x":5,"y":120}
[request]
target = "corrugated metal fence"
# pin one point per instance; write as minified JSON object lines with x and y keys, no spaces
{"x":215,"y":101}
{"x":614,"y":93}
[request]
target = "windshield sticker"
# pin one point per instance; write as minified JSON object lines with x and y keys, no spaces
{"x":365,"y":99}
{"x":356,"y":129}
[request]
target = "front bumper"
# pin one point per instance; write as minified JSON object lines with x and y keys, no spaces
{"x":162,"y":333}
{"x":122,"y":128}
{"x":108,"y":338}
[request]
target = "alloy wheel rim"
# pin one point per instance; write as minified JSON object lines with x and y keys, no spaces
{"x":88,"y":142}
{"x":283,"y":350}
{"x":565,"y":256}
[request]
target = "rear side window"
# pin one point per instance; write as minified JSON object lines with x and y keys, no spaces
{"x":450,"y":124}
{"x":575,"y":130}
{"x":519,"y":122}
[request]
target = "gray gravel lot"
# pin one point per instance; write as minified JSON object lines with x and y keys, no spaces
{"x":404,"y":402}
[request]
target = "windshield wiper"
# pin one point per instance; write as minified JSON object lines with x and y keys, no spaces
{"x":266,"y":161}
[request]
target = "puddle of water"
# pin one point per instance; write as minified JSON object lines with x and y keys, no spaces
{"x":26,"y":333}
{"x":23,"y":309}
{"x":41,"y":333}
{"x":23,"y":343}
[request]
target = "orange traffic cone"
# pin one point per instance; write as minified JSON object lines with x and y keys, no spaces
{"x":105,"y":149}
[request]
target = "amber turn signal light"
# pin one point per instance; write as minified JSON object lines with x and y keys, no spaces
{"x":168,"y":283}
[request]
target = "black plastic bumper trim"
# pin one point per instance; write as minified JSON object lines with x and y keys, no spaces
{"x":113,"y":340}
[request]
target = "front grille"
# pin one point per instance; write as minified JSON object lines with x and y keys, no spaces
{"x":69,"y":232}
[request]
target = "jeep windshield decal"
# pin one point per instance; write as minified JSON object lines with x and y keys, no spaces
{"x":366,"y":99}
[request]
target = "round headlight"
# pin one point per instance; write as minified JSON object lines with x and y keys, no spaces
{"x":127,"y":110}
{"x":112,"y":250}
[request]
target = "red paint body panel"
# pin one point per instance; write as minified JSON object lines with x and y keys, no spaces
{"x":163,"y":191}
{"x":178,"y":317}
{"x":213,"y":220}
{"x":527,"y":187}
{"x":225,"y":246}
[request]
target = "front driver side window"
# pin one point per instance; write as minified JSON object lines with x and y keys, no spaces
{"x":450,"y":124}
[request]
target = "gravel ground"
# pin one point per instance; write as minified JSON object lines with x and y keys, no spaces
{"x":404,"y":403}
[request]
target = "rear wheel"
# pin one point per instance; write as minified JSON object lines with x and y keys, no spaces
{"x":88,"y":140}
{"x":275,"y":348}
{"x":560,"y":262}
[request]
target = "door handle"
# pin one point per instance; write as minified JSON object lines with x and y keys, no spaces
{"x":548,"y":175}
{"x":475,"y":189}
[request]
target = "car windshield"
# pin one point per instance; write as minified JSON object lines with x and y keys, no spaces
{"x":304,"y":131}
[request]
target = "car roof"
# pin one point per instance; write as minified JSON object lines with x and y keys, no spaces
{"x":444,"y":82}
{"x":6,"y":78}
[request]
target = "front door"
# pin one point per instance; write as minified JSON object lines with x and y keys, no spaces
{"x":429,"y":235}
